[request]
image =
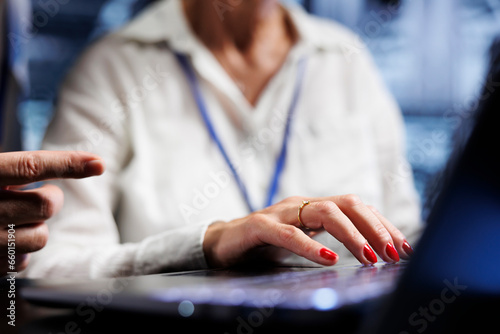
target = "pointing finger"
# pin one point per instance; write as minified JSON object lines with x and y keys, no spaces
{"x":18,"y":168}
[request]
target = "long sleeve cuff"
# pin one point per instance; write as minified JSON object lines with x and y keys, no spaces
{"x":174,"y":250}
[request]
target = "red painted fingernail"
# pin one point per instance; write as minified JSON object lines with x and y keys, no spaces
{"x":369,"y":254}
{"x":328,"y":255}
{"x":392,"y":252}
{"x":407,"y":248}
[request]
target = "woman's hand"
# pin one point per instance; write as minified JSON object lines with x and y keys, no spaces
{"x":23,"y":212}
{"x":358,"y":226}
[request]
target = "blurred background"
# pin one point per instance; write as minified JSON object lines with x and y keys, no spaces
{"x":432,"y":54}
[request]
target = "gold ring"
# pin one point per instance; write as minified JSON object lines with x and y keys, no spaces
{"x":304,"y":203}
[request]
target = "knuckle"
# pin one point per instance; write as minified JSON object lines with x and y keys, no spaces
{"x":286,"y":233}
{"x":29,"y":166}
{"x":257,"y":224}
{"x":257,"y":228}
{"x":327,"y":208}
{"x":354,"y":235}
{"x":67,"y":167}
{"x":293,"y":200}
{"x":352,"y":200}
{"x":40,"y":237}
{"x":33,"y":239}
{"x":258,"y":219}
{"x":380,"y":231}
{"x":45,"y":205}
{"x":306,"y":248}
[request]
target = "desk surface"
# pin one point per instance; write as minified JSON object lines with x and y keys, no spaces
{"x":467,"y":312}
{"x":35,"y":319}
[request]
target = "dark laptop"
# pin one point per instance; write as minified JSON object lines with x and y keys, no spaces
{"x":452,"y":282}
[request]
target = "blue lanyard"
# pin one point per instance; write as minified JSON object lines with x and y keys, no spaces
{"x":280,"y":162}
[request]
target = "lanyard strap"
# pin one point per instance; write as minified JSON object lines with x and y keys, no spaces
{"x":280,"y":162}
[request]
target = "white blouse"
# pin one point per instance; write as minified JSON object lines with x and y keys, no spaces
{"x":129,"y":101}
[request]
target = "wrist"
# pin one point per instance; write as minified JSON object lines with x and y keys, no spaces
{"x":210,"y":243}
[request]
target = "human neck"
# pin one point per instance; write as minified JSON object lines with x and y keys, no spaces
{"x":251,"y":41}
{"x":236,"y":26}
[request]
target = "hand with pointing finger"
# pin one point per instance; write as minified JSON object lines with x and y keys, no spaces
{"x":23,"y":212}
